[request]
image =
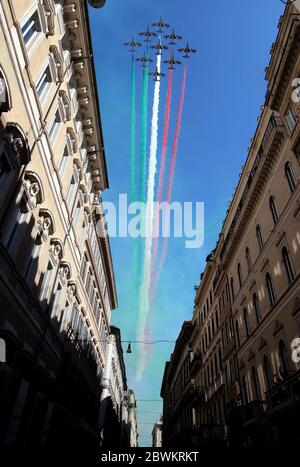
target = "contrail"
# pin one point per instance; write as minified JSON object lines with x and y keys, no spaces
{"x":173,"y":164}
{"x":133,"y":135}
{"x":161,"y":180}
{"x":145,"y":289}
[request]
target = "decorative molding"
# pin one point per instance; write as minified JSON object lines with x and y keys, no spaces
{"x":251,"y":355}
{"x":278,"y":327}
{"x":264,"y":264}
{"x":280,"y":236}
{"x":262,"y":343}
{"x":46,"y":223}
{"x":33,"y":189}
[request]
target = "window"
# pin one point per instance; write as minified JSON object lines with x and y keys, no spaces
{"x":56,"y":300}
{"x":72,"y":188}
{"x":259,"y":237}
{"x":256,"y":308}
{"x":43,"y":83}
{"x":273,"y":209}
{"x":227,"y":292}
{"x":288,"y":265}
{"x":217,"y":319}
{"x":63,"y":162}
{"x":237,"y":334}
{"x":290,"y":176}
{"x":232,"y":288}
{"x":32,"y":262}
{"x":76,"y":212}
{"x":270,"y":289}
{"x":247,"y":322}
{"x":4,"y":167}
{"x":83,"y":269}
{"x":31,"y":28}
{"x":54,"y":126}
{"x":291,"y":118}
{"x":240,"y":276}
{"x":248,"y":258}
{"x":267,"y":373}
{"x":284,"y":364}
{"x":255,"y":385}
{"x":15,"y":233}
{"x":245,"y":389}
{"x":220,"y":358}
{"x":45,"y":289}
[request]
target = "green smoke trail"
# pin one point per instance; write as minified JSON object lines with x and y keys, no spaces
{"x":133,"y":134}
{"x":143,"y":146}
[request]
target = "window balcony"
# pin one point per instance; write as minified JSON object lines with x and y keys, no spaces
{"x":196,"y":363}
{"x":285,"y":395}
{"x":253,"y":411}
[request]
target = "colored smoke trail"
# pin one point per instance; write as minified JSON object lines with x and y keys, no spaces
{"x":145,"y":288}
{"x":143,"y":144}
{"x":138,"y":243}
{"x":172,"y":166}
{"x":133,"y":135}
{"x":161,"y":182}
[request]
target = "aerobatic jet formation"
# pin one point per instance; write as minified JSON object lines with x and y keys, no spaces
{"x":148,"y":34}
{"x":187,"y":50}
{"x":172,"y":61}
{"x":156,"y":74}
{"x":174,"y":37}
{"x":161,"y":25}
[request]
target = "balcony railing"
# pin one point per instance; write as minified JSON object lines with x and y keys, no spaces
{"x":252,"y":411}
{"x":285,"y":394}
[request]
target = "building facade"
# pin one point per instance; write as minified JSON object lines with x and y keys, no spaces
{"x":247,"y":307}
{"x":117,"y":420}
{"x":157,"y":434}
{"x":130,"y":420}
{"x":57,"y":286}
{"x":177,"y":393}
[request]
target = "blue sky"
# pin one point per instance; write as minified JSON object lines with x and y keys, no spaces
{"x":224,"y":92}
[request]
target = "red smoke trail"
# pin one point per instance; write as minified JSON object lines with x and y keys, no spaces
{"x":173,"y":163}
{"x":161,"y":180}
{"x":156,"y":271}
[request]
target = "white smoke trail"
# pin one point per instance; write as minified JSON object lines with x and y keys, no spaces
{"x":145,"y":287}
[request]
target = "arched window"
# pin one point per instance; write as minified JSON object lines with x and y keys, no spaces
{"x":247,"y":322}
{"x":240,"y":276}
{"x":267,"y":373}
{"x":270,"y":289}
{"x":232,"y":288}
{"x":256,"y":308}
{"x":259,"y":237}
{"x":237,"y":334}
{"x":273,"y":209}
{"x":284,"y":363}
{"x":255,"y":385}
{"x":290,"y":176}
{"x":288,"y":265}
{"x":248,"y":258}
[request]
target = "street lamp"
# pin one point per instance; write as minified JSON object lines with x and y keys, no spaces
{"x":97,"y":3}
